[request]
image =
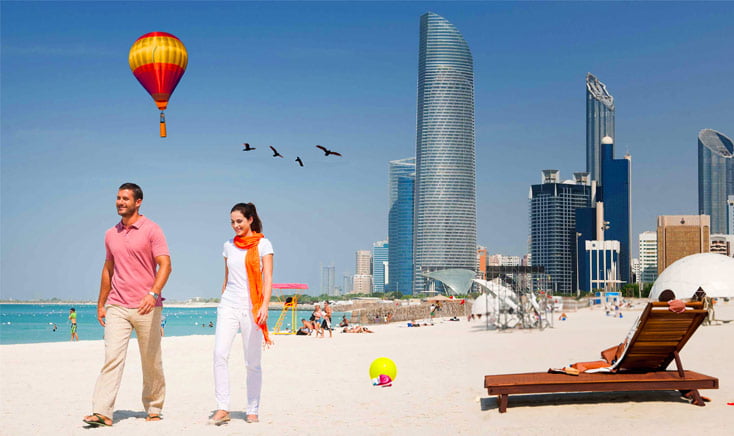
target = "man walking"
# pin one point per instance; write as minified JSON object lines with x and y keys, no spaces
{"x":136,"y":268}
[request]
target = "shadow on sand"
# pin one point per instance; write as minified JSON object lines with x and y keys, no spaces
{"x":554,"y":399}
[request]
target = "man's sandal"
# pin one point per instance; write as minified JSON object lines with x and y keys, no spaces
{"x":153,"y":417}
{"x":97,"y":420}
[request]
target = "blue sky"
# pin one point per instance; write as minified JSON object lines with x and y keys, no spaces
{"x":76,"y":124}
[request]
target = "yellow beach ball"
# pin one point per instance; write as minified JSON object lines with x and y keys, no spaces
{"x":383,"y":365}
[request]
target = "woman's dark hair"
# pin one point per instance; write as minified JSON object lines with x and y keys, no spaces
{"x":137,"y":191}
{"x":249,"y":211}
{"x":666,"y":295}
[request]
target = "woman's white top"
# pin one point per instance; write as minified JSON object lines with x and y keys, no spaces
{"x":237,"y":291}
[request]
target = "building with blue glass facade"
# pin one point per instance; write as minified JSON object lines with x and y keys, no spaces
{"x":599,"y":123}
{"x":715,"y":178}
{"x":445,"y":192}
{"x":615,"y":192}
{"x":553,"y":233}
{"x":401,"y":184}
{"x":380,"y":252}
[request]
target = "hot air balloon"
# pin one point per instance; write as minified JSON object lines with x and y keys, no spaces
{"x":158,"y":60}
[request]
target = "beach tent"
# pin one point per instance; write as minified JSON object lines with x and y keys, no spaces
{"x":457,"y":280}
{"x":712,"y":272}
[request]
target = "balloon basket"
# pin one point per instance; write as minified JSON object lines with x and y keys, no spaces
{"x":163,"y":125}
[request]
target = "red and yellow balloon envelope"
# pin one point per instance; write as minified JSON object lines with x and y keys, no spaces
{"x":158,"y":60}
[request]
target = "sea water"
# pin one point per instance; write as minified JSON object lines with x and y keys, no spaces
{"x":33,"y":323}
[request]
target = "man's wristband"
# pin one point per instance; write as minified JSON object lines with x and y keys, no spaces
{"x":154,"y":295}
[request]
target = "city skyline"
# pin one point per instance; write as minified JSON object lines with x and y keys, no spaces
{"x":76,"y":124}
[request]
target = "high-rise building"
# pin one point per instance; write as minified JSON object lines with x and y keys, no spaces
{"x":715,"y":178}
{"x":482,"y":262}
{"x":680,"y":236}
{"x":379,"y":265}
{"x":599,"y":123}
{"x":400,"y":225}
{"x":362,"y":284}
{"x":722,"y":244}
{"x":648,"y":257}
{"x":328,"y":280}
{"x":363,"y":262}
{"x":553,"y":207}
{"x":730,"y":204}
{"x":616,"y":189}
{"x":445,"y":183}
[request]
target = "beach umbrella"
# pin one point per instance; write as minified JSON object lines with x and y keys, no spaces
{"x":714,"y":273}
{"x":158,"y":60}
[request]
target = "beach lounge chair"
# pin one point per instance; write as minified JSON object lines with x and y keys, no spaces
{"x":658,"y":338}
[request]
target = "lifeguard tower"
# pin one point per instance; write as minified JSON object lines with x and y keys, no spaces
{"x":290,"y":306}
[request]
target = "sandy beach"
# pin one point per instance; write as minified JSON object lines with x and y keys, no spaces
{"x":314,"y":386}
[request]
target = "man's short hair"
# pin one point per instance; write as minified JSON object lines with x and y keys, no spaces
{"x":137,"y":191}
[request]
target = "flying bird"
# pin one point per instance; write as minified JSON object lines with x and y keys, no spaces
{"x":247,"y":147}
{"x":275,"y":152}
{"x":328,"y":152}
{"x":298,"y":159}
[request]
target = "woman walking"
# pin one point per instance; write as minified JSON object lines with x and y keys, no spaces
{"x":248,"y":279}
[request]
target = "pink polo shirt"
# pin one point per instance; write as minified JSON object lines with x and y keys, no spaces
{"x":133,"y":250}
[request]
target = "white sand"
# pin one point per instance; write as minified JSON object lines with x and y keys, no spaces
{"x":321,"y":386}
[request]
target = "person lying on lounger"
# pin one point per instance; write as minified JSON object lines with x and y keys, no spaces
{"x":611,"y":355}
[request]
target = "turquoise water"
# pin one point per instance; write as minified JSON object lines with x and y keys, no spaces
{"x":33,"y":323}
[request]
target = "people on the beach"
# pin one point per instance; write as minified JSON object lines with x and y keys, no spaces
{"x":357,"y":329}
{"x":163,"y":325}
{"x":345,"y":321}
{"x":136,"y":268}
{"x":72,"y":320}
{"x":317,"y":318}
{"x":326,"y":323}
{"x":246,"y":292}
{"x":305,"y":329}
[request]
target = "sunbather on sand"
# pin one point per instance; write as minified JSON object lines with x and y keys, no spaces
{"x":357,"y":329}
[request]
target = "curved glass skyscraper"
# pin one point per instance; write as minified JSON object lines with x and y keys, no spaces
{"x":400,"y":225}
{"x":599,"y":123}
{"x":445,"y":191}
{"x":715,"y":177}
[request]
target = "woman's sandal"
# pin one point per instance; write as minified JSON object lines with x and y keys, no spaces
{"x":97,"y":420}
{"x":153,"y":417}
{"x":223,"y":420}
{"x":251,"y":419}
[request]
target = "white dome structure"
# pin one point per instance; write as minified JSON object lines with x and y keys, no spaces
{"x":714,"y":273}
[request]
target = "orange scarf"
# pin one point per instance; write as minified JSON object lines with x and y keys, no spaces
{"x":254,"y":275}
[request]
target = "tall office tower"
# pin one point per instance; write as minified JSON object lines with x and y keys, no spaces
{"x":730,"y":204}
{"x":347,"y":283}
{"x":328,"y":280}
{"x":362,"y":284}
{"x":636,"y":269}
{"x":379,"y":265}
{"x":616,"y":190}
{"x":599,"y":123}
{"x":715,"y":178}
{"x":648,"y":257}
{"x":553,"y":207}
{"x":400,"y":225}
{"x":445,"y":183}
{"x":680,"y":236}
{"x":482,"y":261}
{"x":363,"y":264}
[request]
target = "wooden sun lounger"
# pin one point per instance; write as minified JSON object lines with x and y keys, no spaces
{"x":659,"y":337}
